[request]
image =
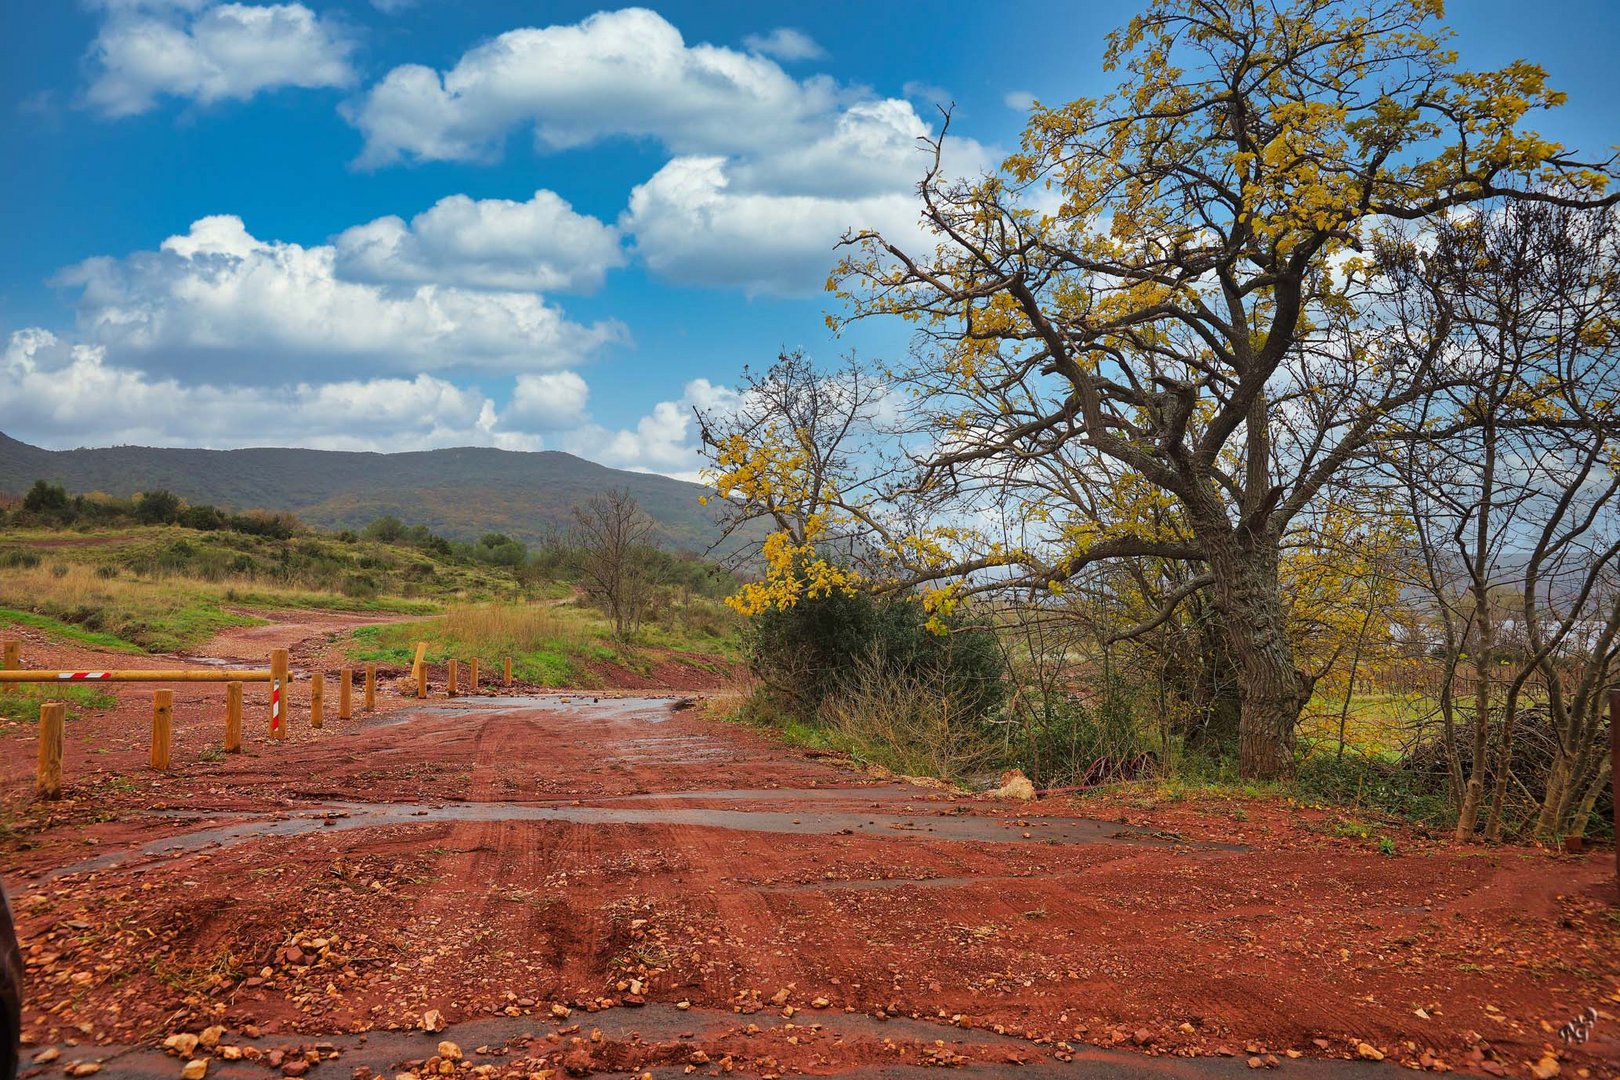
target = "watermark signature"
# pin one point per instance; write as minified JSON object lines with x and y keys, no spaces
{"x":1578,"y":1030}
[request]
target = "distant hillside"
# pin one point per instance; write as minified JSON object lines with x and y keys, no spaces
{"x":461,"y":493}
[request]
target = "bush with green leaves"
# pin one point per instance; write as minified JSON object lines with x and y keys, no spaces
{"x":819,"y":646}
{"x":158,"y":508}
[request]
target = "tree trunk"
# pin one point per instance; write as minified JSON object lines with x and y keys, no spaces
{"x":1583,"y":812}
{"x":1216,"y":699}
{"x":1273,"y":691}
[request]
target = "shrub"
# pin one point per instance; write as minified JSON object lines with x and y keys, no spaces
{"x":360,"y":586}
{"x":810,"y":651}
{"x":386,"y":529}
{"x":204,"y":517}
{"x":46,"y":500}
{"x":157,"y":508}
{"x":264,"y":523}
{"x":915,"y":721}
{"x":1097,"y":740}
{"x":1370,"y":783}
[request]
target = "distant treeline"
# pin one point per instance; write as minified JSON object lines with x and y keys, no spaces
{"x":49,"y":505}
{"x":557,"y":557}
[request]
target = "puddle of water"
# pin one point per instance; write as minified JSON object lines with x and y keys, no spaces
{"x":385,"y":1052}
{"x":356,"y":815}
{"x":780,"y":794}
{"x":649,"y":710}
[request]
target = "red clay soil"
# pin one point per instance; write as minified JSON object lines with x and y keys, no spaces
{"x":308,"y":633}
{"x":529,"y":870}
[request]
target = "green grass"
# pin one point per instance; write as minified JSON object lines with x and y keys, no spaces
{"x":67,"y":631}
{"x":20,"y":702}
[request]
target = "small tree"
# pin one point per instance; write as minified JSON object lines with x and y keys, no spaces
{"x":387,"y":529}
{"x":46,"y":499}
{"x":614,"y":537}
{"x":158,"y":508}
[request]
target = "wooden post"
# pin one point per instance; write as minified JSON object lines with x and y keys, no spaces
{"x":472,"y":676}
{"x":371,"y":687}
{"x":10,"y":656}
{"x":453,"y":673}
{"x":48,"y":779}
{"x":345,"y":693}
{"x":419,"y":669}
{"x":317,"y":699}
{"x":162,"y":727}
{"x":506,"y":672}
{"x":278,"y":694}
{"x":233,"y":718}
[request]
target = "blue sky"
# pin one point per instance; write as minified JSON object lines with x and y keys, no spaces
{"x":394,"y":224}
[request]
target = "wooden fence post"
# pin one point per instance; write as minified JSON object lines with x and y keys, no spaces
{"x":48,"y":779}
{"x":345,"y":693}
{"x":317,"y":699}
{"x":371,"y":687}
{"x":453,"y":673}
{"x":10,"y":655}
{"x":278,"y":694}
{"x":233,"y":718}
{"x":419,"y":669}
{"x":472,"y":676}
{"x":506,"y":672}
{"x":162,"y":727}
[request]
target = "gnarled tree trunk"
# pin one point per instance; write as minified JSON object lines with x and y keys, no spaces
{"x":1273,"y":691}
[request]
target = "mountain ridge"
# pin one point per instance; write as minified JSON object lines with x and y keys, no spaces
{"x":459,"y":492}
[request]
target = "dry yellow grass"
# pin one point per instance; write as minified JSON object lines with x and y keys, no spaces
{"x":512,"y":629}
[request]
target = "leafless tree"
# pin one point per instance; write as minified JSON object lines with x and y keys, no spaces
{"x":613,"y":535}
{"x":1515,"y":494}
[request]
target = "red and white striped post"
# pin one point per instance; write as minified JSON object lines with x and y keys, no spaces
{"x":278,"y":694}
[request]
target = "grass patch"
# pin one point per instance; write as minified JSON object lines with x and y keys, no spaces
{"x":20,"y":702}
{"x":155,"y":615}
{"x":167,"y":589}
{"x":550,"y":644}
{"x":67,"y":631}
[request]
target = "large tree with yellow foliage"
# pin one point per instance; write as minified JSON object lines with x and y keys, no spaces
{"x":1156,"y":311}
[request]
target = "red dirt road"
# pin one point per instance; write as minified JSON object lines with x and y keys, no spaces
{"x":538,"y":869}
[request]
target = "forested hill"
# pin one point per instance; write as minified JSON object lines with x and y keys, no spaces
{"x":460,"y":493}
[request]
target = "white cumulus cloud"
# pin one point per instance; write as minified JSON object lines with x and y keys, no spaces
{"x":550,"y":401}
{"x":68,"y":394}
{"x":785,"y":43}
{"x":766,"y":173}
{"x":540,"y":244}
{"x":218,"y":291}
{"x":663,"y":441}
{"x":691,"y":225}
{"x":616,"y":73}
{"x":210,"y":52}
